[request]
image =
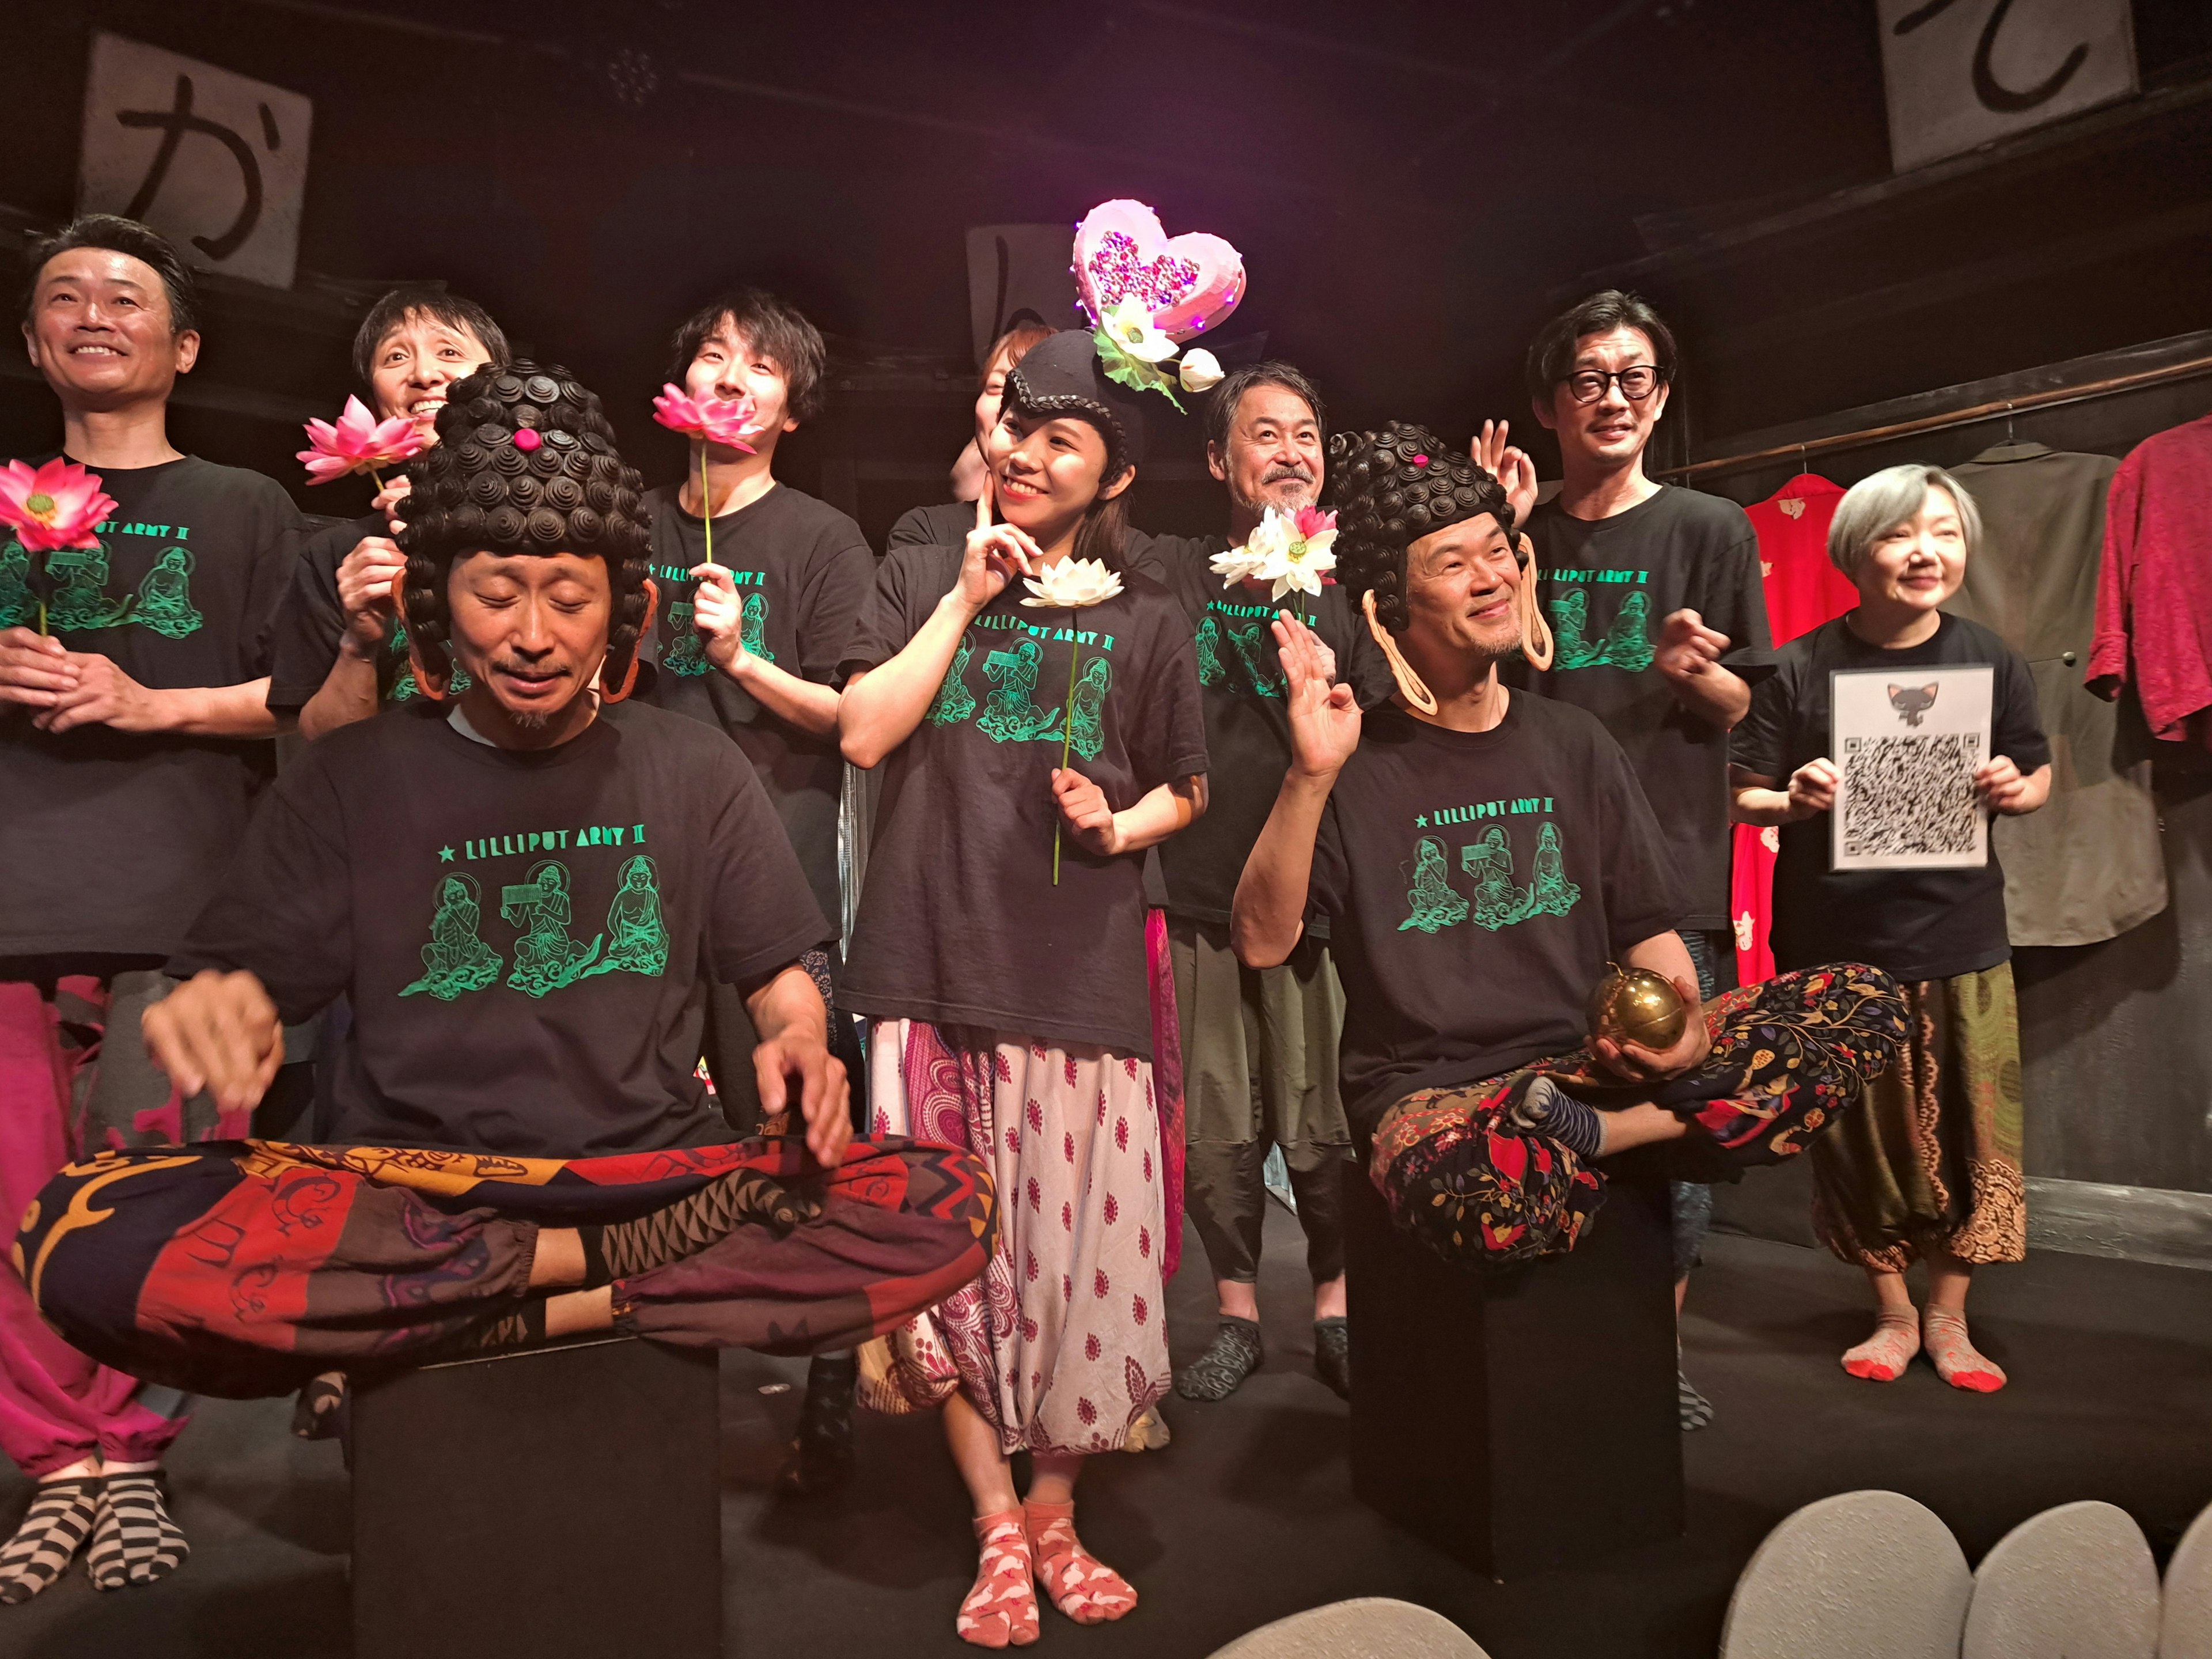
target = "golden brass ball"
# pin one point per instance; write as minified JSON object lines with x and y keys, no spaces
{"x":1634,"y":1005}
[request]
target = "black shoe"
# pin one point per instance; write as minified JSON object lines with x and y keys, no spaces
{"x":1233,"y":1355}
{"x":821,"y":1459}
{"x":1333,"y":1354}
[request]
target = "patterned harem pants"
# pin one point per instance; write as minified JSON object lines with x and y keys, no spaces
{"x":242,"y":1268}
{"x":1789,"y":1056}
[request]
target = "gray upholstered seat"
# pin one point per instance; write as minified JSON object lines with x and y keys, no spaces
{"x":1864,"y":1575}
{"x":2073,"y":1582}
{"x":2184,"y":1629}
{"x":1371,"y":1627}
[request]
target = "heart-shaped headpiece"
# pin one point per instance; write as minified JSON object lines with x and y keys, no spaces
{"x":1189,"y":282}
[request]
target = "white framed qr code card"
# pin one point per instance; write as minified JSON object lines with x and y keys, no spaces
{"x":1906,"y":745}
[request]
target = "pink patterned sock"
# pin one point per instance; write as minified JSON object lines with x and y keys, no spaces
{"x":1957,"y":1361}
{"x":1000,"y":1610}
{"x":1883,"y":1357}
{"x":1081,"y":1585}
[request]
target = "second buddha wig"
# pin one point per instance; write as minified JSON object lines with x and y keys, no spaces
{"x":1390,"y":488}
{"x":525,"y":463}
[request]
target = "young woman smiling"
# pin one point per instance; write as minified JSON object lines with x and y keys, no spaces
{"x":1000,"y":952}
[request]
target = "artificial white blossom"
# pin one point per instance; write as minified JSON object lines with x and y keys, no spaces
{"x":1200,"y":370}
{"x":1130,"y":326}
{"x":1071,"y":585}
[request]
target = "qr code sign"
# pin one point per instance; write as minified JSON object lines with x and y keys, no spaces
{"x":1911,"y":795}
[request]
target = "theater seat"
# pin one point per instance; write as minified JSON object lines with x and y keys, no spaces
{"x":1370,"y":1627}
{"x":2074,"y":1582}
{"x":1864,"y":1575}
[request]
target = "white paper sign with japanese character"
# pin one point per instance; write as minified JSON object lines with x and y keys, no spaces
{"x":1906,"y":745}
{"x":214,"y":161}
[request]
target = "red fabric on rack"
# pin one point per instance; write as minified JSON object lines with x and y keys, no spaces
{"x":1803,"y":590}
{"x":2155,"y":590}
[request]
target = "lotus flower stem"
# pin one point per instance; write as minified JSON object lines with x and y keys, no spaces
{"x":1066,"y":734}
{"x":707,"y":503}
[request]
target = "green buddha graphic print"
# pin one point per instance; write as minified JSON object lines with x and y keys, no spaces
{"x":1010,"y":713}
{"x":165,"y":596}
{"x":545,"y":957}
{"x":456,"y":961}
{"x":1434,"y":905}
{"x":637,"y":937}
{"x":955,"y":702}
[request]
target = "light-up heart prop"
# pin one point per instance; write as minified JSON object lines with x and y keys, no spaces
{"x":1189,"y":282}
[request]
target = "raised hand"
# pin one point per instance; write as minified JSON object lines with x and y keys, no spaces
{"x":1686,"y":647}
{"x":995,"y":555}
{"x":1512,"y":468}
{"x":1813,"y":789}
{"x":369,"y":580}
{"x":1324,"y":716}
{"x":718,"y":615}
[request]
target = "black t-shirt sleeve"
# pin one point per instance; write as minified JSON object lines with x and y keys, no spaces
{"x":1368,"y":671}
{"x":838,"y":586}
{"x":307,"y":628}
{"x":912,"y":529}
{"x":1169,"y":739}
{"x":1732,"y":600}
{"x":885,"y":621}
{"x":1760,"y":741}
{"x":278,"y":532}
{"x":760,"y":912}
{"x":283,"y":911}
{"x":1641,"y":895}
{"x":2016,"y":724}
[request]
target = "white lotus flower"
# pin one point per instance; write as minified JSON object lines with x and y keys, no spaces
{"x":1200,"y":370}
{"x":1234,"y":566}
{"x":1071,"y":585}
{"x":1130,"y":326}
{"x":1289,"y":559}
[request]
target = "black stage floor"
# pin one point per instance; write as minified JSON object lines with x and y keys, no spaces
{"x":1249,"y":1515}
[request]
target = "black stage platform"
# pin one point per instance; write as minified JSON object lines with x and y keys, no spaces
{"x":1249,"y":1515}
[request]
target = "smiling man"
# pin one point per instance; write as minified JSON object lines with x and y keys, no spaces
{"x":1483,"y":855}
{"x":1259,"y":1046}
{"x":132,"y":743}
{"x":1656,"y":601}
{"x":340,"y":650}
{"x":524,"y":893}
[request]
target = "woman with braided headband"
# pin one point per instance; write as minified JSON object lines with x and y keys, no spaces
{"x":1486,"y":855}
{"x":524,"y":893}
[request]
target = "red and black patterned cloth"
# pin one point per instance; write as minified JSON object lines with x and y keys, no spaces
{"x":1789,"y":1057}
{"x":242,"y":1268}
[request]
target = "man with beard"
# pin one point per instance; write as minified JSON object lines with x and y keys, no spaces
{"x":524,"y":892}
{"x":1259,"y":1046}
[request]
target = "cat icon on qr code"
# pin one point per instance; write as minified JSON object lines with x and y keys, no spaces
{"x":1907,"y":750}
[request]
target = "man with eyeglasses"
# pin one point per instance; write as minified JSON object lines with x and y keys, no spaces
{"x":1654,"y":600}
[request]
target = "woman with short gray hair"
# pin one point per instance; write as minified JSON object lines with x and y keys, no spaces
{"x":1928,"y":1167}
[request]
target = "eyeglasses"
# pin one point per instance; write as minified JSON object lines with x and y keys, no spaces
{"x":1587,"y":386}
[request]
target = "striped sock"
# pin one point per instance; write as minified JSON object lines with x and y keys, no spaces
{"x":133,"y":1539}
{"x":52,"y":1533}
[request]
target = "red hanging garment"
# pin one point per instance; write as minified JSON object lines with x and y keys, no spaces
{"x":1803,"y":590}
{"x":2154,"y":615}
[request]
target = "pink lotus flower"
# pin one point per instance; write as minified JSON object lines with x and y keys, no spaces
{"x":724,"y":421}
{"x":358,"y":443}
{"x":1311,"y":521}
{"x":58,"y":504}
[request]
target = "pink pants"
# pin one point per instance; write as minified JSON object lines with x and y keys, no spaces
{"x":57,"y":1407}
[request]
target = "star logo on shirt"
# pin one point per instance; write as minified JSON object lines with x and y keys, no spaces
{"x":1420,"y":820}
{"x":445,"y":855}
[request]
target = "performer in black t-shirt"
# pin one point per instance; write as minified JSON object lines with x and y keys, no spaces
{"x":1655,"y":599}
{"x":760,"y":603}
{"x":524,"y":899}
{"x":1259,"y":1047}
{"x":1000,"y":954}
{"x":340,"y":651}
{"x":1929,"y":1168}
{"x":1482,"y":854}
{"x":946,"y":523}
{"x":133,"y":739}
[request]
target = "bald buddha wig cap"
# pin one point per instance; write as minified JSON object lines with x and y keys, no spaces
{"x":1390,"y":488}
{"x":525,"y":463}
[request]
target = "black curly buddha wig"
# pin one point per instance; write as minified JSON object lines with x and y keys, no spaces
{"x":525,"y":462}
{"x":1390,"y":488}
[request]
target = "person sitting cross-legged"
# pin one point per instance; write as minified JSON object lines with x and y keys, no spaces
{"x":1482,"y":856}
{"x":524,"y":892}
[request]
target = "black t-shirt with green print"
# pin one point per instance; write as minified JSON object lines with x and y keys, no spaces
{"x":1248,"y":732}
{"x":802,"y":570}
{"x":525,"y":938}
{"x":311,"y":624}
{"x":960,"y":922}
{"x":1479,"y":883}
{"x":1606,"y":585}
{"x":111,"y":841}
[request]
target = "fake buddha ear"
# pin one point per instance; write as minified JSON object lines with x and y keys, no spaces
{"x":1410,"y":685}
{"x":610,"y":693}
{"x":436,"y":687}
{"x":1535,"y":632}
